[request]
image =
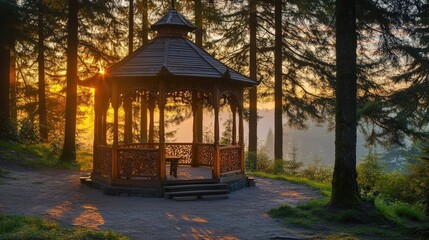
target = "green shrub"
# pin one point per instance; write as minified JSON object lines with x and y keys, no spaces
{"x":369,"y":173}
{"x":317,"y":172}
{"x":397,"y":186}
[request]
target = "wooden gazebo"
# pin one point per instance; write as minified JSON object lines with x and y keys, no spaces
{"x":169,"y":68}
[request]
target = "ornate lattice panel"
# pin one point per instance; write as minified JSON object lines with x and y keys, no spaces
{"x":205,"y":154}
{"x":139,"y":163}
{"x":103,"y":161}
{"x":142,"y":145}
{"x":183,"y":150}
{"x":230,"y":159}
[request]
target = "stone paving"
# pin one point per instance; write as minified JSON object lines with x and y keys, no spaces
{"x":58,"y":194}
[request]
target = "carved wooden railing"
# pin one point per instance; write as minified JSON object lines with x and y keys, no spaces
{"x":138,"y":162}
{"x":205,"y":154}
{"x":103,"y":160}
{"x":184,"y":150}
{"x":230,"y":159}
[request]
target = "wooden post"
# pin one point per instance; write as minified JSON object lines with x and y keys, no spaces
{"x":151,"y":117}
{"x":128,"y":127}
{"x":161,"y":105}
{"x":115,"y":104}
{"x":234,"y":123}
{"x":104,"y":127}
{"x":241,"y":131}
{"x":143,"y":118}
{"x":216,"y":163}
{"x":195,"y":99}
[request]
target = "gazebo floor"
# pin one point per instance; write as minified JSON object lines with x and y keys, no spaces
{"x":186,"y":172}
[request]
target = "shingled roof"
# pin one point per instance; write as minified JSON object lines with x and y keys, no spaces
{"x":172,"y":53}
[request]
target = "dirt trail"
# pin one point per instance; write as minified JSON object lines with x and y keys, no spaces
{"x":59,"y":195}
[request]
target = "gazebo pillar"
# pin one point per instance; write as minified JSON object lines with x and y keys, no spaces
{"x":151,"y":106}
{"x":195,"y":103}
{"x":241,"y":130}
{"x":216,"y":163}
{"x":97,"y":117}
{"x":128,"y":127}
{"x":143,"y":118}
{"x":161,"y":105}
{"x":115,"y":105}
{"x":234,"y":123}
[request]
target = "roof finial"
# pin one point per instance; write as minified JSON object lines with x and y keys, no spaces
{"x":173,"y":3}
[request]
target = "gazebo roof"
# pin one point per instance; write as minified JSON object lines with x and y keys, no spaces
{"x":173,"y":18}
{"x":172,"y":54}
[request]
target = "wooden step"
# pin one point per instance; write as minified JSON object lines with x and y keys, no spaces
{"x":194,"y":187}
{"x":214,"y":197}
{"x":197,"y":193}
{"x":188,"y":182}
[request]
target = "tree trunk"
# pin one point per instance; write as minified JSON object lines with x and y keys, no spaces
{"x":278,"y":113}
{"x":198,"y":9}
{"x":131,"y":27}
{"x":253,"y":113}
{"x":69,"y":149}
{"x":43,"y":123}
{"x":12,"y":89}
{"x":143,"y":101}
{"x":344,"y":186}
{"x":4,"y":90}
{"x":8,"y":17}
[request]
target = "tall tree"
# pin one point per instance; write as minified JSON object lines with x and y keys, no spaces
{"x":198,"y":12}
{"x":344,"y":185}
{"x":43,"y":123}
{"x":253,"y":113}
{"x":128,"y":131}
{"x":145,"y":40}
{"x":69,"y":149}
{"x":278,"y":103}
{"x":131,"y":27}
{"x":8,"y":18}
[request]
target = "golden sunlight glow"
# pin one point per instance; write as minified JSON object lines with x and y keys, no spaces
{"x":90,"y":217}
{"x":101,"y":69}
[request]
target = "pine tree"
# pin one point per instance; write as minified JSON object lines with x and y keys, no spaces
{"x":253,"y":113}
{"x":344,"y":185}
{"x":43,"y":123}
{"x":278,"y":103}
{"x":69,"y":149}
{"x":8,"y":18}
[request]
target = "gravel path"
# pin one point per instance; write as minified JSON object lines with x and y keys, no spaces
{"x":58,"y":194}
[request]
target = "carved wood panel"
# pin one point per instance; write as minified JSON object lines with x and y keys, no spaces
{"x":230,"y":159}
{"x":183,"y":150}
{"x":103,"y":161}
{"x":139,"y":163}
{"x":205,"y":154}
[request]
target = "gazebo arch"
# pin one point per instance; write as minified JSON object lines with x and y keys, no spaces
{"x":170,"y":66}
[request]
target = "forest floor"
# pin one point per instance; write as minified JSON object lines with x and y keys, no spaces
{"x":58,"y":195}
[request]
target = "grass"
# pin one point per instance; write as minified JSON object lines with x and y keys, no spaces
{"x":25,"y":227}
{"x":399,"y":212}
{"x":40,"y":155}
{"x":376,"y":220}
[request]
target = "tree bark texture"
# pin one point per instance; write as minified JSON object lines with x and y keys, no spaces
{"x":69,"y":149}
{"x":4,"y":88}
{"x":143,"y":100}
{"x":253,"y":113}
{"x":131,"y":27}
{"x":43,"y":122}
{"x":344,"y":186}
{"x":278,"y":113}
{"x":12,"y":89}
{"x":198,"y":11}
